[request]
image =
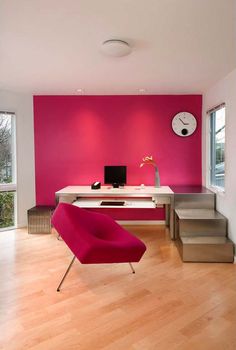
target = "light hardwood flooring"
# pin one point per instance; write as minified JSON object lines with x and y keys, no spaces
{"x":166,"y":305}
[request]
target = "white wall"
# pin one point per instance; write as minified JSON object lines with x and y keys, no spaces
{"x":22,"y":105}
{"x":224,"y":91}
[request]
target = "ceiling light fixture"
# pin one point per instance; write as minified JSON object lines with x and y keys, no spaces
{"x":116,"y":48}
{"x":80,"y":91}
{"x":142,"y":91}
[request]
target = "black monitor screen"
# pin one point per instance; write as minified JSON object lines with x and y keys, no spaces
{"x":115,"y":174}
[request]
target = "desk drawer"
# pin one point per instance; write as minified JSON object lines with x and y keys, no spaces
{"x":162,"y":200}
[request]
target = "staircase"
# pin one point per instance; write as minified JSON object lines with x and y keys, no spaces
{"x":201,"y":236}
{"x":200,"y":232}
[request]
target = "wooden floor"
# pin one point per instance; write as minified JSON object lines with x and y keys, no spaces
{"x":166,"y":305}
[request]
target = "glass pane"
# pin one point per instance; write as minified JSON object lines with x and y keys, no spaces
{"x":7,"y":200}
{"x":6,"y":147}
{"x":218,"y":148}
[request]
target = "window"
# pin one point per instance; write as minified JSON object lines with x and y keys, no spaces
{"x":7,"y":170}
{"x":217,"y":147}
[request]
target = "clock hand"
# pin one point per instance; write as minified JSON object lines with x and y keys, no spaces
{"x":183,"y":122}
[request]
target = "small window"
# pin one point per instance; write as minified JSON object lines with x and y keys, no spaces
{"x":217,"y":147}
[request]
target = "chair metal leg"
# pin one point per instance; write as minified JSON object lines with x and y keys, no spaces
{"x":131,"y":266}
{"x":66,"y":273}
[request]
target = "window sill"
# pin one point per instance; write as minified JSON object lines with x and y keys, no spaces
{"x":217,"y":190}
{"x":10,"y":228}
{"x":7,"y":187}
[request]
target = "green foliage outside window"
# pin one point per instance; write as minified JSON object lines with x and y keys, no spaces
{"x":6,"y":209}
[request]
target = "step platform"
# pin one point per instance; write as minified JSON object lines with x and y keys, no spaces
{"x":196,"y":221}
{"x":205,"y":249}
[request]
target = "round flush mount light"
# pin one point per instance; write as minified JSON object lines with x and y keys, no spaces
{"x":116,"y":48}
{"x":80,"y":91}
{"x":142,"y":91}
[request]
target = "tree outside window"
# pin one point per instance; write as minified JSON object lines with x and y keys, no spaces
{"x":7,"y":166}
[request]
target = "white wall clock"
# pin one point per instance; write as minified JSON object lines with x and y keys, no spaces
{"x":184,"y":124}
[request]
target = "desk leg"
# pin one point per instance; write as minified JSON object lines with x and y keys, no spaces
{"x":167,"y":215}
{"x":172,"y":224}
{"x":172,"y":219}
{"x":57,"y":199}
{"x":65,"y":198}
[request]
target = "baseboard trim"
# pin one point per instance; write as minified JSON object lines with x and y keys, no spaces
{"x":141,"y":222}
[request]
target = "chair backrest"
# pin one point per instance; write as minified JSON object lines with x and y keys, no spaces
{"x":74,"y":225}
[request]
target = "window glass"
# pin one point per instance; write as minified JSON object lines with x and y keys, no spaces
{"x":7,"y":170}
{"x":7,"y":206}
{"x":6,"y":148}
{"x":217,"y":149}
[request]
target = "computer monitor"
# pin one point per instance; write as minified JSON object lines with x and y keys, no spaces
{"x":115,"y":175}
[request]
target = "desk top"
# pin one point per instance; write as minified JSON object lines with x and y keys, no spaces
{"x":190,"y":189}
{"x":110,"y":191}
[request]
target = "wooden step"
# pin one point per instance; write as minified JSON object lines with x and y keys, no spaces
{"x":206,"y":249}
{"x":197,"y":221}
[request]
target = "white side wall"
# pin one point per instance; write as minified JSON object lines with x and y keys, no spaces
{"x":224,"y":91}
{"x":22,"y":105}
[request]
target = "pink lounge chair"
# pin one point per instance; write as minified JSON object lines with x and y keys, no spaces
{"x":95,"y":238}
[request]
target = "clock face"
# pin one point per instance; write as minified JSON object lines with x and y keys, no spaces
{"x":184,"y":124}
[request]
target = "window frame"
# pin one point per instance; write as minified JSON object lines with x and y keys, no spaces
{"x":212,"y":149}
{"x":11,"y":187}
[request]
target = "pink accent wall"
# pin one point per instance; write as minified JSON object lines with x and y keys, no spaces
{"x":75,"y":136}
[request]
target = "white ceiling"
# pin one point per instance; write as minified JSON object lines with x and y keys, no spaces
{"x":53,"y":46}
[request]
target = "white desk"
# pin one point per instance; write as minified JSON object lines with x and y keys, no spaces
{"x":134,"y":197}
